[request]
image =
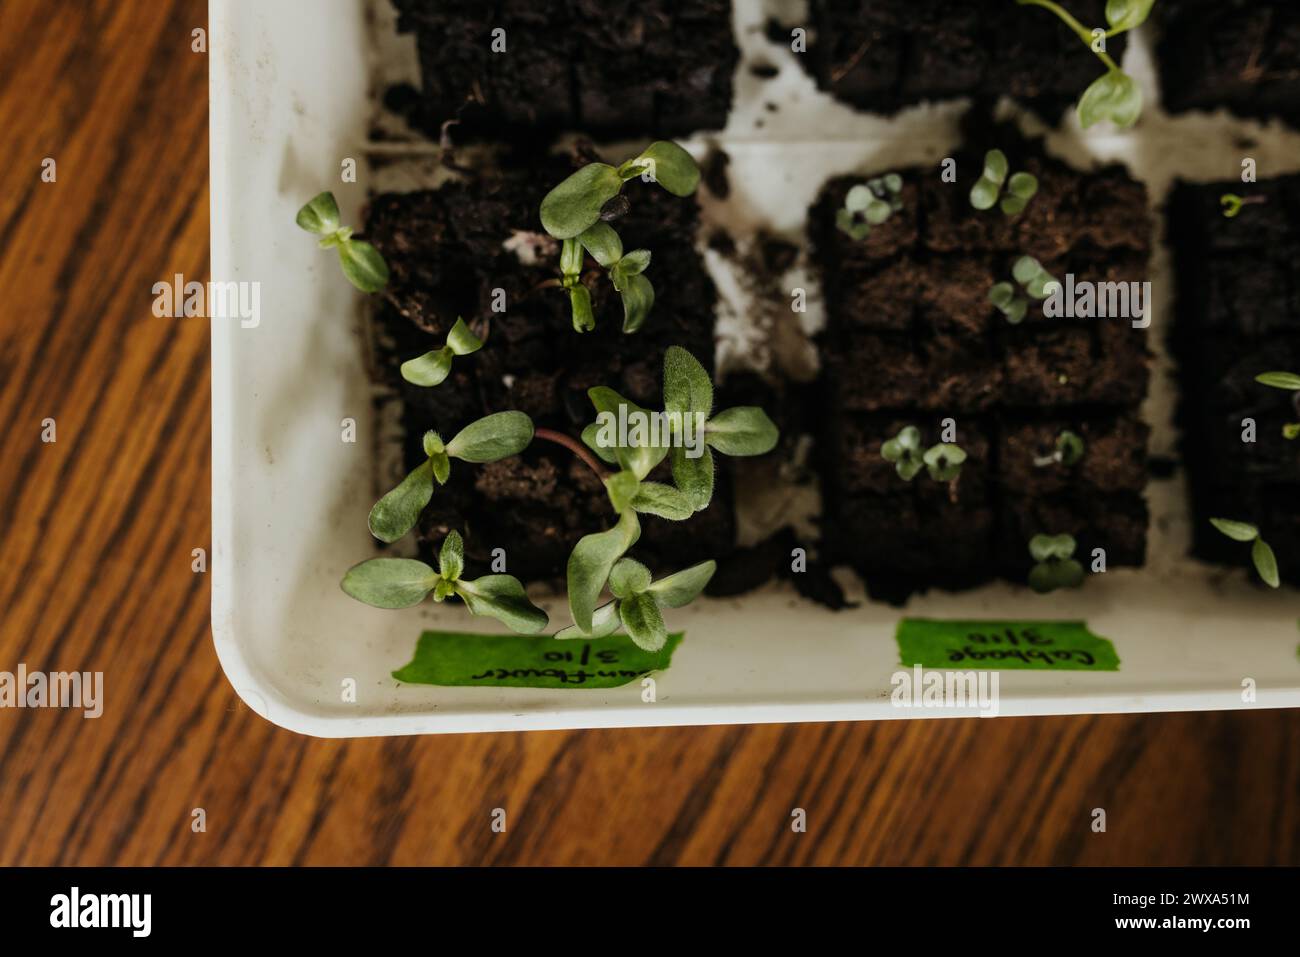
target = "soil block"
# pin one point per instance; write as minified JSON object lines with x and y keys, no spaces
{"x":455,"y":250}
{"x":912,"y":339}
{"x":603,"y":67}
{"x":1238,"y":314}
{"x":1240,"y":54}
{"x":887,"y":54}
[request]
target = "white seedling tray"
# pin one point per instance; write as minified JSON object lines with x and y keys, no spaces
{"x":292,"y":95}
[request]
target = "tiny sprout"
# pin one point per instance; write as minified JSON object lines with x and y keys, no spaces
{"x":489,"y":439}
{"x":904,"y":450}
{"x":1033,"y":278}
{"x":403,"y":582}
{"x":1260,"y":553}
{"x":638,"y":602}
{"x":575,"y":213}
{"x":361,"y":262}
{"x":1291,"y":383}
{"x":1114,"y":95}
{"x":870,"y":204}
{"x":1068,"y":451}
{"x":433,"y":367}
{"x":943,"y":461}
{"x":1055,"y":565}
{"x":1232,"y":203}
{"x":1020,"y":188}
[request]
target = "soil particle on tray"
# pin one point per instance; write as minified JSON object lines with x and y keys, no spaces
{"x":886,"y":54}
{"x":449,"y":250}
{"x":912,"y":339}
{"x":1240,"y":54}
{"x":1237,"y":315}
{"x":604,"y":67}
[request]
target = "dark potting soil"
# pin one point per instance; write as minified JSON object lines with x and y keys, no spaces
{"x":912,"y":339}
{"x":1240,"y":54}
{"x":603,"y":67}
{"x":1238,"y":314}
{"x":449,"y":250}
{"x":886,"y":54}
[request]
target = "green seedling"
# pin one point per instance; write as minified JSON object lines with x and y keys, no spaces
{"x":403,"y":582}
{"x":575,"y":212}
{"x":1068,"y":450}
{"x":1055,"y":565}
{"x":869,"y":204}
{"x":943,"y":461}
{"x":638,"y":602}
{"x":1114,"y":95}
{"x":1020,"y":188}
{"x":1036,"y":282}
{"x":1232,"y":203}
{"x":1291,"y":383}
{"x":361,"y":262}
{"x":489,"y":439}
{"x":1261,"y":554}
{"x":433,"y":367}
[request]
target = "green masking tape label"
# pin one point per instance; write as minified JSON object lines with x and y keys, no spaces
{"x":455,"y":659}
{"x":1004,"y":645}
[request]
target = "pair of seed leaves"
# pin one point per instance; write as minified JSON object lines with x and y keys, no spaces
{"x":434,"y":366}
{"x":869,"y":204}
{"x":403,"y":582}
{"x":1033,"y":278}
{"x":1261,"y":553}
{"x":688,"y":393}
{"x":1020,"y":188}
{"x":943,"y":460}
{"x":1056,"y":566}
{"x":571,"y":212}
{"x":638,"y":601}
{"x":361,"y":262}
{"x":488,"y":439}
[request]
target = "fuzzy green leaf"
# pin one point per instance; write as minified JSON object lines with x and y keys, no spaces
{"x":694,"y":476}
{"x":451,"y":559}
{"x":604,"y":622}
{"x":397,"y":512}
{"x":1237,"y":531}
{"x":429,"y":369}
{"x":492,"y":438}
{"x":1279,"y":380}
{"x":638,"y":299}
{"x":320,"y":215}
{"x":634,"y":262}
{"x":502,"y":597}
{"x":1112,"y":96}
{"x":683,"y":587}
{"x":441,"y":467}
{"x":628,"y":577}
{"x":390,"y":582}
{"x":1127,"y":14}
{"x":589,"y":437}
{"x":603,"y":243}
{"x":643,"y":622}
{"x":639,"y":458}
{"x":590,"y":564}
{"x":670,"y":166}
{"x":744,"y":430}
{"x":665,"y":501}
{"x":575,"y":204}
{"x":363,"y":265}
{"x":621,"y":487}
{"x":1265,"y":563}
{"x":687,"y":386}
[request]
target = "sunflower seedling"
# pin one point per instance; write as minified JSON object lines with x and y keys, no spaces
{"x":575,"y":212}
{"x":434,"y":366}
{"x":638,"y":602}
{"x":943,"y":461}
{"x":1055,"y":565}
{"x":1291,"y":383}
{"x":1114,"y":95}
{"x":361,"y":262}
{"x":1068,"y":450}
{"x":403,"y":582}
{"x":1033,"y":279}
{"x":489,"y":439}
{"x":1260,"y":551}
{"x":1020,"y":188}
{"x":869,"y":204}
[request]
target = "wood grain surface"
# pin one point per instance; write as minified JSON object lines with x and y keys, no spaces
{"x":96,"y":532}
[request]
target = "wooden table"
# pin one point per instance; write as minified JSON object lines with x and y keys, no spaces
{"x":96,"y":532}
